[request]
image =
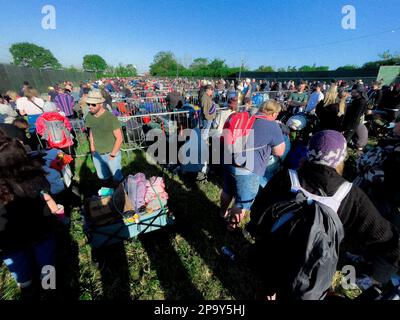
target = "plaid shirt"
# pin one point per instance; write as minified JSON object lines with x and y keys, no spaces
{"x":65,"y":102}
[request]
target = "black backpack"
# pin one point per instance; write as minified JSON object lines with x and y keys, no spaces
{"x":297,"y":243}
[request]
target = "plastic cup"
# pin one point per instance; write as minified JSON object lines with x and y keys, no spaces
{"x":60,"y":212}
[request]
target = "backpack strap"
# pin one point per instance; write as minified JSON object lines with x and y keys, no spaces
{"x":294,"y":179}
{"x":333,"y":202}
{"x":343,"y":191}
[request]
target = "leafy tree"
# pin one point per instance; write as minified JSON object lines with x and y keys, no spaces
{"x":131,"y":69}
{"x":125,"y":71}
{"x":314,"y":67}
{"x":217,"y":68}
{"x":94,"y":63}
{"x":199,"y":64}
{"x":348,"y":67}
{"x":30,"y":55}
{"x":386,"y":55}
{"x":388,"y":60}
{"x":281,"y":69}
{"x":263,"y":68}
{"x":165,"y":64}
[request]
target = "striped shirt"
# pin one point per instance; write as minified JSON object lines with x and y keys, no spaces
{"x":65,"y":102}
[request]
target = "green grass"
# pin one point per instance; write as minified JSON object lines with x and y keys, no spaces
{"x":182,"y":262}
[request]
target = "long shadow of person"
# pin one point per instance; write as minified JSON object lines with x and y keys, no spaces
{"x":111,"y":260}
{"x":113,"y":266}
{"x":67,"y":253}
{"x":88,"y":181}
{"x":171,"y":273}
{"x":198,"y":223}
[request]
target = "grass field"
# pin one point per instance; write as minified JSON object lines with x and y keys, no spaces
{"x":182,"y":262}
{"x":179,"y":262}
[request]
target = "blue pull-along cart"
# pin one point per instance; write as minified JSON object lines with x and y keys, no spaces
{"x":109,"y":220}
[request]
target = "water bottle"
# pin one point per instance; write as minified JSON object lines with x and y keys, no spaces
{"x":227,"y":252}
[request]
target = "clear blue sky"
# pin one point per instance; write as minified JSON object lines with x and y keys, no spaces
{"x":269,"y":32}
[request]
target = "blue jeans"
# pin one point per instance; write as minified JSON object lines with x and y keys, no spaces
{"x":107,"y":168}
{"x":207,"y":124}
{"x":242,"y":184}
{"x":23,"y":264}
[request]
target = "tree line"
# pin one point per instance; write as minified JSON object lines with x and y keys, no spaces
{"x":166,"y":64}
{"x":26,"y":54}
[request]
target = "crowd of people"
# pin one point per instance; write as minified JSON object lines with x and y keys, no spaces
{"x":269,"y":128}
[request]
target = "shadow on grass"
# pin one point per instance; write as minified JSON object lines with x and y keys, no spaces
{"x":112,"y":261}
{"x":67,"y":254}
{"x":113,"y":266}
{"x":197,"y":221}
{"x":171,"y":272}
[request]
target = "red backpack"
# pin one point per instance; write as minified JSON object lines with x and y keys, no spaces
{"x":238,"y":127}
{"x":236,"y":132}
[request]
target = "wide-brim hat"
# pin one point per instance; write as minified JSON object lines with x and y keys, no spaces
{"x":95,"y":96}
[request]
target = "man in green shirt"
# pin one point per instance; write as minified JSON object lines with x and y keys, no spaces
{"x":105,"y":138}
{"x":298,"y":100}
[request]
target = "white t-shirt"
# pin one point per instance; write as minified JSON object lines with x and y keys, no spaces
{"x":315,"y":98}
{"x":26,"y":106}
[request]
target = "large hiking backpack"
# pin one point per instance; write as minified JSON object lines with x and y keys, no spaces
{"x":55,"y":129}
{"x":297,"y":243}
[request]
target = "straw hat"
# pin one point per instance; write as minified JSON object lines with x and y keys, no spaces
{"x":95,"y":96}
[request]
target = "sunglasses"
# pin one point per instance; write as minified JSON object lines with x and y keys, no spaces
{"x":92,"y":104}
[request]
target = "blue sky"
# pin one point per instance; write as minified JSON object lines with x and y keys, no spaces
{"x":269,"y":32}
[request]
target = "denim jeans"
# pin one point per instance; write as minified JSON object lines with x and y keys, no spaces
{"x":207,"y":125}
{"x":242,"y":184}
{"x":107,"y":168}
{"x":23,"y":264}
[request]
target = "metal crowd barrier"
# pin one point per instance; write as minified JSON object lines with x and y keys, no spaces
{"x":134,"y":129}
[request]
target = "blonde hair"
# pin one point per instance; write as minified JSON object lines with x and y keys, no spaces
{"x":12,"y":94}
{"x":331,"y":96}
{"x":271,"y":107}
{"x":342,"y":103}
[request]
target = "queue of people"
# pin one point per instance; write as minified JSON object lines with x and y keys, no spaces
{"x":253,"y":135}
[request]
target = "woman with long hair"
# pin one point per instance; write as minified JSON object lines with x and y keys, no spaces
{"x":27,"y":219}
{"x":330,"y":109}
